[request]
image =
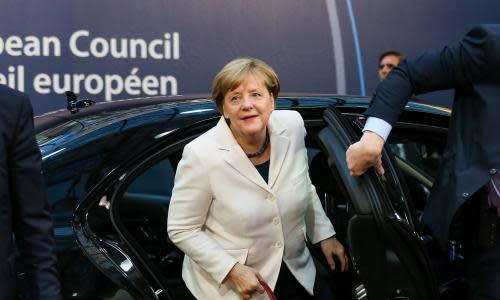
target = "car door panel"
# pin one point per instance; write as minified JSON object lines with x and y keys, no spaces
{"x":103,"y":246}
{"x":384,"y":247}
{"x":135,"y":213}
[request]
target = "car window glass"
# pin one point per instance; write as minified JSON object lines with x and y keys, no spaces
{"x":155,"y":183}
{"x":144,"y":206}
{"x":393,"y":188}
{"x":418,"y":154}
{"x":144,"y":213}
{"x":422,"y":151}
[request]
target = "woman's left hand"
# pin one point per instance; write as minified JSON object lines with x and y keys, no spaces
{"x":332,"y":248}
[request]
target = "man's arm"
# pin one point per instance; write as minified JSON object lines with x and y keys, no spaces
{"x":32,"y":222}
{"x":459,"y":65}
{"x":455,"y":66}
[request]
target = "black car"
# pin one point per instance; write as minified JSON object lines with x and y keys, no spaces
{"x":110,"y":168}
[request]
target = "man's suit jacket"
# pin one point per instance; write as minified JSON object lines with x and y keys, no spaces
{"x":472,"y":68}
{"x":222,"y":211}
{"x":23,"y":205}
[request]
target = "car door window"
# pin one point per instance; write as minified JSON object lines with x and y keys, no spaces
{"x":155,"y":184}
{"x":380,"y":234}
{"x":144,"y":210}
{"x":417,"y":151}
{"x":422,"y":149}
{"x":143,"y":201}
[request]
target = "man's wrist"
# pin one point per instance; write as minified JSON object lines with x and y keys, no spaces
{"x":373,"y":141}
{"x":373,"y":136}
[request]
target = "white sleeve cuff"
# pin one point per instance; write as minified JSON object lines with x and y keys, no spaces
{"x":378,"y":126}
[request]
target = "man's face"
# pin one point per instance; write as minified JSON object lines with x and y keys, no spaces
{"x":386,"y":65}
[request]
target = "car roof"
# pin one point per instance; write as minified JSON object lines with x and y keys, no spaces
{"x":138,"y":105}
{"x":61,"y":127}
{"x":85,"y":146}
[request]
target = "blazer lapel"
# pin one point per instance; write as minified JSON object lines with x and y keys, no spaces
{"x":279,"y":149}
{"x":234,"y":155}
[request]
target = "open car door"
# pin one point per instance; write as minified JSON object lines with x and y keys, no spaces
{"x":381,"y":238}
{"x":106,"y":245}
{"x":133,"y":248}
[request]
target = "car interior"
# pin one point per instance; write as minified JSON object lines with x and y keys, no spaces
{"x":144,"y":205}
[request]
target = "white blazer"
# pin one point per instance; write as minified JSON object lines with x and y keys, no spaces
{"x":222,"y":211}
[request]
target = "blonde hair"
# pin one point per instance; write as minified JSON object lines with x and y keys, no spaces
{"x":234,"y":72}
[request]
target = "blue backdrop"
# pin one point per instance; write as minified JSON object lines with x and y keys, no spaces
{"x":118,"y":49}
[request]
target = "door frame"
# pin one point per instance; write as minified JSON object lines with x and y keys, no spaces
{"x":390,"y":237}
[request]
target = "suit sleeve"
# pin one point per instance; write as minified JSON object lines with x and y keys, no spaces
{"x":191,"y":199}
{"x":32,"y":222}
{"x":457,"y":66}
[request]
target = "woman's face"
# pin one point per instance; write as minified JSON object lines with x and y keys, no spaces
{"x":248,"y":107}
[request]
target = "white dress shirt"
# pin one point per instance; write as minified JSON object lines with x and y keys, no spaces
{"x":378,"y":126}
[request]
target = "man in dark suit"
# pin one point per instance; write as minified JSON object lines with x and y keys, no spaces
{"x":468,"y":176}
{"x":24,"y":213}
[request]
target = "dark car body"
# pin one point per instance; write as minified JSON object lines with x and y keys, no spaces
{"x":110,"y":168}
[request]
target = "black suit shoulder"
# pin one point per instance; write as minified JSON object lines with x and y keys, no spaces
{"x":25,"y":199}
{"x":15,"y":108}
{"x":461,"y":65}
{"x":486,"y":38}
{"x":12,"y":100}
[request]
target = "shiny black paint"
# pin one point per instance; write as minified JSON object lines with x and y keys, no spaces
{"x":83,"y":152}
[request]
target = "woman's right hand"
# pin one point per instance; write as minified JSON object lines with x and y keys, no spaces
{"x":246,"y":280}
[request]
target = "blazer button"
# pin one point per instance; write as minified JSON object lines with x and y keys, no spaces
{"x":276,"y":220}
{"x":493,"y":171}
{"x":270,"y":197}
{"x":465,"y":195}
{"x":279,"y":244}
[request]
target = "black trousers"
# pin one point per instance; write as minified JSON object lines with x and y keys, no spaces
{"x":482,"y":263}
{"x":288,"y":288}
{"x":483,"y":272}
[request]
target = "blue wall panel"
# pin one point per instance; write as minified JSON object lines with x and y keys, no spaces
{"x":323,"y":46}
